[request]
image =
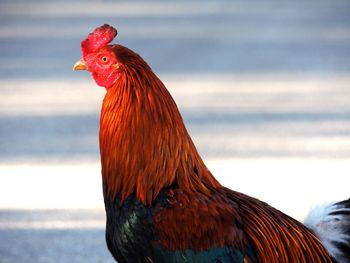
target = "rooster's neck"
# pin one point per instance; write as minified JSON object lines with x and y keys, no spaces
{"x":144,"y":144}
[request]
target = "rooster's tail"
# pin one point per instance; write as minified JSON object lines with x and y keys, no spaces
{"x":331,"y":223}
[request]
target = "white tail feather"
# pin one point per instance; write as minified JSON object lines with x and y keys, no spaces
{"x":331,"y":223}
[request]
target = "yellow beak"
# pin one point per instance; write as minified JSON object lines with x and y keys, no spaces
{"x":80,"y":65}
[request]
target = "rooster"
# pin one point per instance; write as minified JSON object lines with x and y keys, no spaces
{"x":162,"y":203}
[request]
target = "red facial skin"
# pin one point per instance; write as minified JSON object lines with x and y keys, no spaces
{"x":104,"y":67}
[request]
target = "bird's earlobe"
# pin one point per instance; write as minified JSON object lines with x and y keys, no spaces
{"x":116,"y":66}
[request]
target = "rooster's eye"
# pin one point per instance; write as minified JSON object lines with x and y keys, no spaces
{"x":104,"y":59}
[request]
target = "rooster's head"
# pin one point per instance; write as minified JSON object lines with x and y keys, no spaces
{"x":99,"y":58}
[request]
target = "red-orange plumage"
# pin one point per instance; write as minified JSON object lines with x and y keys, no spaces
{"x":148,"y":155}
{"x":218,"y":222}
{"x":144,"y":144}
{"x":238,"y":220}
{"x":145,"y":148}
{"x":276,"y":236}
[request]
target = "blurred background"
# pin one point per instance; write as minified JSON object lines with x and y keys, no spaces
{"x":263,"y":86}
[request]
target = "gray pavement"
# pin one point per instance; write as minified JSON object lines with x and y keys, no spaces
{"x":257,"y":79}
{"x":52,"y":236}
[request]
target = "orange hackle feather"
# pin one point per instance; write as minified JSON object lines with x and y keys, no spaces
{"x":144,"y":144}
{"x":277,"y":237}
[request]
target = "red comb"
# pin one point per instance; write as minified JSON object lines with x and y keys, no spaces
{"x":99,"y":38}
